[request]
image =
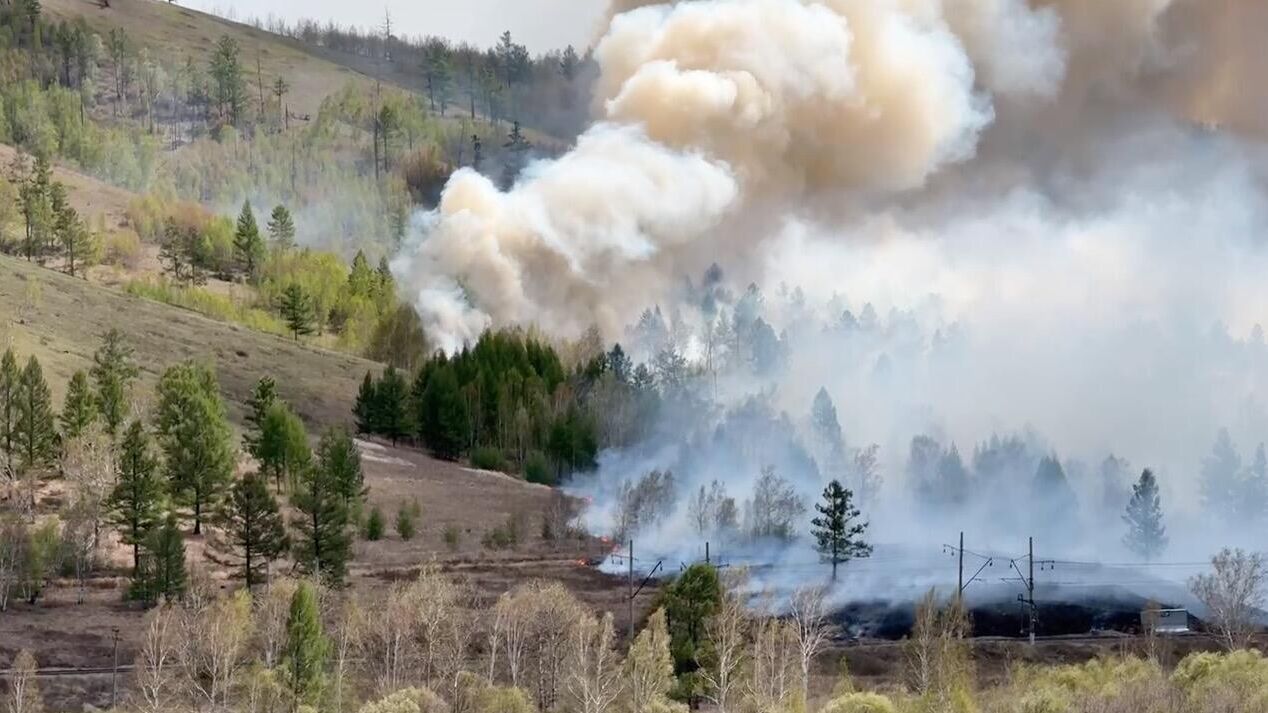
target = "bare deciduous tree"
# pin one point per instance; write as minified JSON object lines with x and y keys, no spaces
{"x":774,"y":664}
{"x":1231,"y":593}
{"x":215,"y":638}
{"x":272,"y":609}
{"x":938,"y":660}
{"x":24,"y":692}
{"x":593,"y":680}
{"x":727,"y":631}
{"x":809,"y":615}
{"x":156,"y":678}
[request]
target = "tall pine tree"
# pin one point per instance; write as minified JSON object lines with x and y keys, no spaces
{"x":167,"y":561}
{"x":195,"y":438}
{"x":837,"y":531}
{"x":297,"y":309}
{"x":366,"y":407}
{"x":136,"y":503}
{"x":392,"y":395}
{"x":113,"y":372}
{"x":248,"y":246}
{"x":306,"y":647}
{"x":445,"y":426}
{"x":254,"y":528}
{"x":262,"y":397}
{"x":281,"y":227}
{"x":337,"y":454}
{"x":9,"y":374}
{"x":79,"y":409}
{"x":321,"y":546}
{"x":283,"y":448}
{"x":1146,"y":534}
{"x":35,"y":428}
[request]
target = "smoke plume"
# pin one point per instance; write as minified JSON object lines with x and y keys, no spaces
{"x":1053,"y":211}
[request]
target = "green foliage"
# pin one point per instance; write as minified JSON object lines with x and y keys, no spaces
{"x":487,"y":458}
{"x":337,"y":454}
{"x":1205,"y":675}
{"x":248,"y":246}
{"x":79,"y":410}
{"x":35,"y":440}
{"x":9,"y":374}
{"x":282,"y":451}
{"x":452,"y":537}
{"x":689,"y":601}
{"x":113,"y":372}
{"x":136,"y":502}
{"x":1146,"y":534}
{"x":392,"y":405}
{"x":281,"y":227}
{"x":411,"y":700}
{"x":167,"y":552}
{"x":193,"y":433}
{"x":253,"y":524}
{"x":366,"y":407}
{"x":322,"y":545}
{"x":444,"y":420}
{"x":837,"y":531}
{"x":304,"y":653}
{"x":297,"y":309}
{"x":210,"y":304}
{"x":263,"y":396}
{"x":406,"y":517}
{"x":375,"y":525}
{"x":537,"y":469}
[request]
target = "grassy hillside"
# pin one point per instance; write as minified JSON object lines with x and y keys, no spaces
{"x":175,"y":32}
{"x":60,"y":320}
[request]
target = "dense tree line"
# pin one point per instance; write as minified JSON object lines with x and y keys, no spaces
{"x":50,"y":228}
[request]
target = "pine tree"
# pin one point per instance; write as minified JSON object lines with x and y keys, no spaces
{"x":446,"y":426}
{"x":1221,"y":471}
{"x":254,"y":526}
{"x":297,"y":310}
{"x":1146,"y":535}
{"x":79,"y":409}
{"x":282,"y":226}
{"x":35,"y":429}
{"x":838,"y":533}
{"x":193,"y":433}
{"x":283,"y":448}
{"x":9,"y":375}
{"x":248,"y":246}
{"x":113,"y":371}
{"x":167,"y":565}
{"x":306,"y":647}
{"x":392,"y":395}
{"x":322,"y":543}
{"x":366,"y":407}
{"x":136,"y":503}
{"x":337,"y":454}
{"x":262,"y":398}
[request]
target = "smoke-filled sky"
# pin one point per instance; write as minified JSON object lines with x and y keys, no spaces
{"x":1074,"y":189}
{"x":542,"y":25}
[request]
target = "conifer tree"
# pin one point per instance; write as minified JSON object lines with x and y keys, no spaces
{"x":167,"y":563}
{"x":283,"y":448}
{"x":248,"y":246}
{"x":35,"y":428}
{"x":1146,"y":534}
{"x":263,"y":395}
{"x":297,"y":310}
{"x":253,"y":524}
{"x":113,"y":371}
{"x":337,"y":454}
{"x":79,"y":409}
{"x":282,"y":227}
{"x":136,"y":503}
{"x":321,"y":545}
{"x":837,"y":531}
{"x":193,"y":433}
{"x":392,"y":396}
{"x":306,"y":647}
{"x":366,"y":407}
{"x":362,"y":280}
{"x":446,"y":426}
{"x":9,"y":375}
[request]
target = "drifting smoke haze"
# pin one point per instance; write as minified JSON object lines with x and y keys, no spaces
{"x":1055,"y":210}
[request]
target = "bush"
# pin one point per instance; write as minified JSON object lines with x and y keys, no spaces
{"x":407,"y":700}
{"x":1207,"y":675}
{"x":452,"y":537}
{"x":123,"y":249}
{"x":405,"y":520}
{"x":537,"y":469}
{"x":487,"y":458}
{"x":375,"y":525}
{"x":859,"y":703}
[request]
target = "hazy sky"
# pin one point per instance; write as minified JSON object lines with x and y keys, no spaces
{"x":540,"y":24}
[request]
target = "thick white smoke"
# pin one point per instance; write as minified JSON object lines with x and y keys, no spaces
{"x":1069,"y":193}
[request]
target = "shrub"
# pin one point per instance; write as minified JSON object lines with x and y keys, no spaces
{"x":123,"y":249}
{"x":407,"y":700}
{"x":452,"y":537}
{"x":375,"y":525}
{"x":537,"y":469}
{"x":405,"y":520}
{"x":859,"y":703}
{"x":487,"y":458}
{"x":1207,"y":675}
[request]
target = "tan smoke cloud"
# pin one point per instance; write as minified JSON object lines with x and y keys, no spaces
{"x":708,"y":108}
